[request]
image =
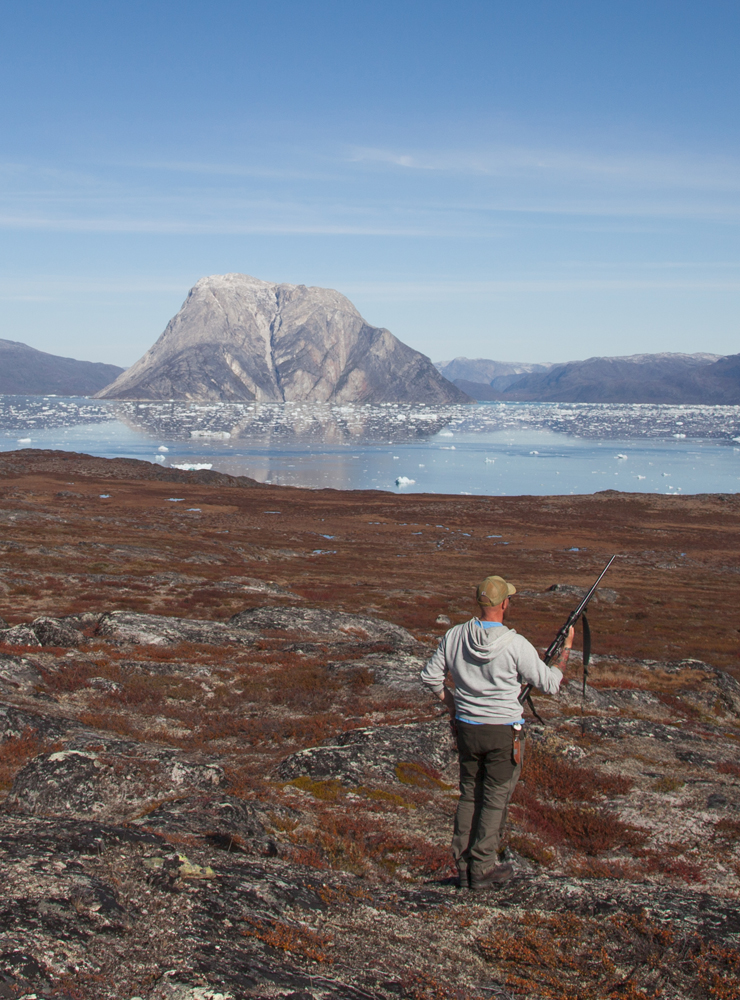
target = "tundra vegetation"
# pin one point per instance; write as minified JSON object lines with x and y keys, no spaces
{"x":220,"y":777}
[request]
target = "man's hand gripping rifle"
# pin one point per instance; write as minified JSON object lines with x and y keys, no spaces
{"x":556,"y":646}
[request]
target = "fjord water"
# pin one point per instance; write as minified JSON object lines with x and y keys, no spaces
{"x":492,"y":449}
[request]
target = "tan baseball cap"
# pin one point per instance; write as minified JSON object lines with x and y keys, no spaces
{"x":494,"y":590}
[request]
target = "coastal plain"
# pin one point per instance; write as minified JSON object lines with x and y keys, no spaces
{"x":221,"y":777}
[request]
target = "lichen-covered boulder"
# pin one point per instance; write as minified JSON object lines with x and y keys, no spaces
{"x":17,"y":722}
{"x":106,"y":784}
{"x":19,"y":635}
{"x":17,"y":673}
{"x":223,"y":820}
{"x":55,"y":632}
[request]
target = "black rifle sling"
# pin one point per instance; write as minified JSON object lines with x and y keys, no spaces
{"x":535,"y":713}
{"x":586,"y":650}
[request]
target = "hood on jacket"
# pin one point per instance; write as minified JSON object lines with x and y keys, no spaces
{"x":482,"y":644}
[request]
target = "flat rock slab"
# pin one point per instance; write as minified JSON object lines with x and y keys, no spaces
{"x":351,"y":757}
{"x":399,"y":670}
{"x":161,"y":630}
{"x":317,"y":623}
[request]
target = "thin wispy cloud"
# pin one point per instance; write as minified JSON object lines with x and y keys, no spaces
{"x":513,"y":187}
{"x":520,"y":163}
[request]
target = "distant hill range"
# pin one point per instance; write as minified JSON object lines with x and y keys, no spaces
{"x":639,"y":378}
{"x":24,"y":371}
{"x":240,"y":338}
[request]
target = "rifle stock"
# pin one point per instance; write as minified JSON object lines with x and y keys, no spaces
{"x":555,"y":648}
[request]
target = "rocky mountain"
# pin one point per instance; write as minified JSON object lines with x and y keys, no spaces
{"x":499,"y":374}
{"x":240,"y":338}
{"x":24,"y":371}
{"x":639,"y":378}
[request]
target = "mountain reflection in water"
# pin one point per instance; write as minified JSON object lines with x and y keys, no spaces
{"x":489,"y":448}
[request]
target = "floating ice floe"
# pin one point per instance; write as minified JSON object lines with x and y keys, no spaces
{"x":534,"y":453}
{"x":679,"y":435}
{"x":159,"y":458}
{"x":175,"y":499}
{"x":24,"y":441}
{"x":620,"y":455}
{"x":192,"y":466}
{"x":404,"y":481}
{"x":163,"y":447}
{"x":639,"y":477}
{"x":490,"y":461}
{"x":446,"y":434}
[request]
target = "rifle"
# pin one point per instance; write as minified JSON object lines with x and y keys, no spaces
{"x":556,"y":646}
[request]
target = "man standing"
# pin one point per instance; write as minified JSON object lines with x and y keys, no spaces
{"x":488,"y":663}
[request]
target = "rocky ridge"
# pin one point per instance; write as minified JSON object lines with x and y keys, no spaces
{"x":240,"y":338}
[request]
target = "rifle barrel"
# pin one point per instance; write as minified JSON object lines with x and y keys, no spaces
{"x":563,"y":632}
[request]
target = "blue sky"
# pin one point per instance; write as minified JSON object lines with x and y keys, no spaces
{"x":516,"y":180}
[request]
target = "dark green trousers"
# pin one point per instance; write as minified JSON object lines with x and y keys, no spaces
{"x":488,"y":776}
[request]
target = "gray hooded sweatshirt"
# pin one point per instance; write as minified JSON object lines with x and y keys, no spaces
{"x":488,"y":667}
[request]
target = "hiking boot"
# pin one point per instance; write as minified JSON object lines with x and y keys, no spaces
{"x":463,"y":877}
{"x":493,"y":877}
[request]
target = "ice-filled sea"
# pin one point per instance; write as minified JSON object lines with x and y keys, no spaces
{"x":501,"y":449}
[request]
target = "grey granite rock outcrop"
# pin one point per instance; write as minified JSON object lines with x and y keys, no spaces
{"x":55,"y":632}
{"x":351,"y":757}
{"x":224,"y":821}
{"x":106,"y":782}
{"x":18,"y":673}
{"x":240,"y":338}
{"x":399,"y":670}
{"x":316,"y":623}
{"x":43,"y":631}
{"x":19,"y":635}
{"x":161,"y":630}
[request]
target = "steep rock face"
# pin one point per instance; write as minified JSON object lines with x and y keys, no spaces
{"x":238,"y":337}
